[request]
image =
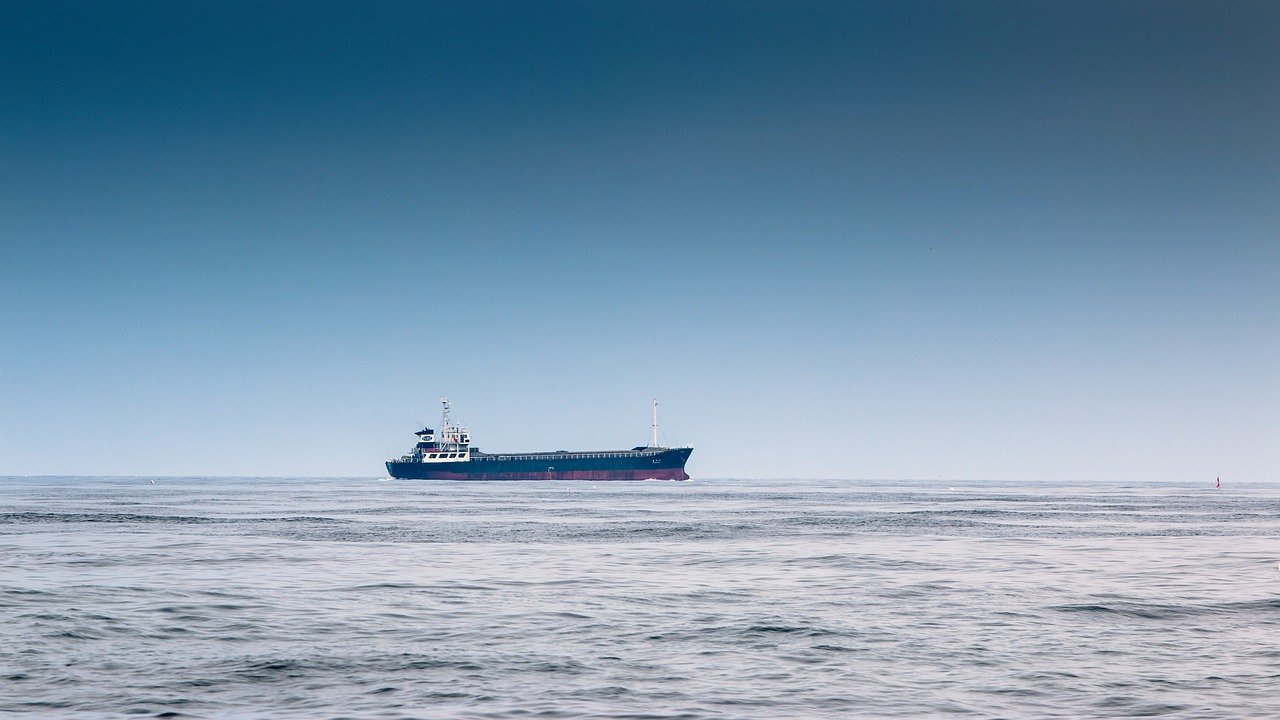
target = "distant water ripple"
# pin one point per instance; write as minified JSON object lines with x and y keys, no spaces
{"x":308,"y":598}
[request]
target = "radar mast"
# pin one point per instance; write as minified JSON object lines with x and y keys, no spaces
{"x":655,"y":424}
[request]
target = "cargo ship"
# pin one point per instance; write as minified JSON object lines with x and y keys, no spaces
{"x":449,"y":455}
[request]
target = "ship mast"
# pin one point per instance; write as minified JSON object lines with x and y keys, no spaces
{"x":655,"y":424}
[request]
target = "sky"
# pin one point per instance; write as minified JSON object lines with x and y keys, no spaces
{"x":1032,"y":242}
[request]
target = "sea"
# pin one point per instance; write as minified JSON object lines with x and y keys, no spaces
{"x":371,"y":598}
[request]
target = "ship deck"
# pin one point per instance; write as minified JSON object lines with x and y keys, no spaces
{"x":570,"y":455}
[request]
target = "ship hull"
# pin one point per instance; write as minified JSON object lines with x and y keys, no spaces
{"x":666,"y":464}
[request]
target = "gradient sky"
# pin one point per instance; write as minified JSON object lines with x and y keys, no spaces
{"x":1020,"y":241}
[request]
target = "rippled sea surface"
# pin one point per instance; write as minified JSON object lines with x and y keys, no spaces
{"x":210,"y":597}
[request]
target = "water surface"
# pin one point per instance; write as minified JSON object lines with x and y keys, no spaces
{"x":203,"y":597}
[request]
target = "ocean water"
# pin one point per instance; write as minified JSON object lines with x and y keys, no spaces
{"x":316,"y":598}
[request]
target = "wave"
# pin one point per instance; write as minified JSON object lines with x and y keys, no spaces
{"x":1170,"y":611}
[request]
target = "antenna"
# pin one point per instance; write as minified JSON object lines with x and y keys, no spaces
{"x":655,"y":424}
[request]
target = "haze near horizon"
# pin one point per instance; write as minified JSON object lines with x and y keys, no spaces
{"x":876,"y":240}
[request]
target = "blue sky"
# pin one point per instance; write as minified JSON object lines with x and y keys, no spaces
{"x":1016,"y":241}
